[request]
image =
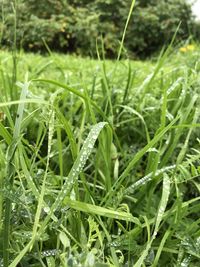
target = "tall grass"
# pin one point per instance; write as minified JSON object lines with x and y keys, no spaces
{"x":73,"y":195}
{"x":99,"y":165}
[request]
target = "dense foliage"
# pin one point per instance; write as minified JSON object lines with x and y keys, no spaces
{"x":76,"y":26}
{"x":75,"y":195}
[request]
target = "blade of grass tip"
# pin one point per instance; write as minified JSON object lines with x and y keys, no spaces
{"x":14,"y":52}
{"x":11,"y":172}
{"x":68,"y":185}
{"x":135,"y":159}
{"x":129,"y":83}
{"x":161,"y":210}
{"x":89,"y":106}
{"x":123,"y":37}
{"x":133,"y":111}
{"x":125,"y":29}
{"x":21,"y":254}
{"x":69,"y":132}
{"x":41,"y":69}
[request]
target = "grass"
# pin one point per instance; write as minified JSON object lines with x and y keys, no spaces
{"x":99,"y":161}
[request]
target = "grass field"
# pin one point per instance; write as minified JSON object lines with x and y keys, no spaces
{"x":99,"y":161}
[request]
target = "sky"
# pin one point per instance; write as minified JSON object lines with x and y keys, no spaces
{"x":196,"y":9}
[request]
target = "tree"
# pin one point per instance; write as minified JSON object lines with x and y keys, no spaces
{"x":74,"y":25}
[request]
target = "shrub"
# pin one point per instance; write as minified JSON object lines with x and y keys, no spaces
{"x":74,"y":26}
{"x":155,"y":24}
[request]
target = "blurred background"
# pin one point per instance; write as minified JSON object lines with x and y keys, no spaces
{"x":80,"y":26}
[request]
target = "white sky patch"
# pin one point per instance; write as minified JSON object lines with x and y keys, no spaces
{"x":196,"y":9}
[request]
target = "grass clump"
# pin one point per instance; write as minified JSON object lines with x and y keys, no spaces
{"x":99,"y":163}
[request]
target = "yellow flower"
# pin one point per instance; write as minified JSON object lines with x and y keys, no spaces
{"x":183,"y":49}
{"x":190,"y":47}
{"x":187,"y":48}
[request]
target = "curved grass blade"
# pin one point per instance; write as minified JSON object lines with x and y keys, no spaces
{"x":97,"y":210}
{"x":24,"y":101}
{"x":133,"y":111}
{"x":68,"y":185}
{"x":130,"y":190}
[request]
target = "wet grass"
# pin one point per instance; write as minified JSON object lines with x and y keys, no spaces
{"x":99,"y":161}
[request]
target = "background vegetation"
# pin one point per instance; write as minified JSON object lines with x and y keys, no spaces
{"x":76,"y":26}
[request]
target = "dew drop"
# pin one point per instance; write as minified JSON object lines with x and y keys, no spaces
{"x":90,"y":145}
{"x":46,"y":209}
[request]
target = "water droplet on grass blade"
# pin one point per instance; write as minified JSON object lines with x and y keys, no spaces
{"x":46,"y":209}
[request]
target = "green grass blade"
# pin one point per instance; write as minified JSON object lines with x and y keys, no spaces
{"x":68,"y":185}
{"x":97,"y":210}
{"x":138,"y":157}
{"x":161,"y":210}
{"x":11,"y":172}
{"x":125,"y":28}
{"x":160,"y":248}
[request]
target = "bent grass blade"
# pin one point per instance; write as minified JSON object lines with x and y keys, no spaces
{"x":97,"y":210}
{"x":67,"y":187}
